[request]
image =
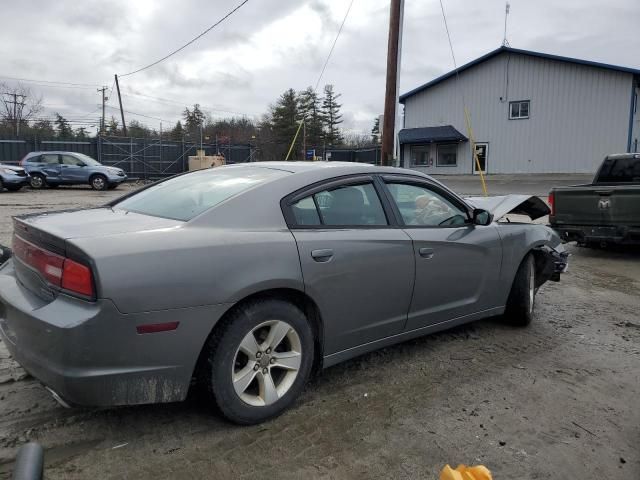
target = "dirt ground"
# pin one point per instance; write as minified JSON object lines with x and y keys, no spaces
{"x":556,"y":400}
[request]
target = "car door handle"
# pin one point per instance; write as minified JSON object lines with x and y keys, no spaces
{"x":426,"y":252}
{"x":323,"y":255}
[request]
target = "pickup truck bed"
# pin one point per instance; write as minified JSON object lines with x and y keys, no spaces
{"x":606,"y":211}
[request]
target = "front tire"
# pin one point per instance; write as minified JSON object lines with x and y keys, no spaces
{"x":521,"y":301}
{"x":98,"y":182}
{"x":258,"y":362}
{"x":37,"y":181}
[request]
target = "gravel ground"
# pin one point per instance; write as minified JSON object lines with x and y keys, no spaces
{"x":555,"y":400}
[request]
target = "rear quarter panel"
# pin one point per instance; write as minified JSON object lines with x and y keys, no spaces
{"x":188,"y":267}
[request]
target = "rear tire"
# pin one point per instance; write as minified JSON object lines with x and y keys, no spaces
{"x":98,"y":182}
{"x":37,"y":181}
{"x":258,"y":361}
{"x":521,"y":301}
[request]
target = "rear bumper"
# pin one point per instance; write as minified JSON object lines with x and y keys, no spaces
{"x":90,"y":354}
{"x":598,"y":234}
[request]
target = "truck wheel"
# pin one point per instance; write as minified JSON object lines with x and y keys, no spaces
{"x":258,"y":362}
{"x":521,"y":301}
{"x":37,"y":181}
{"x":98,"y":182}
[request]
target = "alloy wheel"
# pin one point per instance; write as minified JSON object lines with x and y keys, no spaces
{"x":37,"y":181}
{"x":98,"y":183}
{"x":267,"y":363}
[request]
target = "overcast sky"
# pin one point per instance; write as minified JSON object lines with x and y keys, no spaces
{"x":268,"y":46}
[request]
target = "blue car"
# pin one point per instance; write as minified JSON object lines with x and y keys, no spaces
{"x":69,"y":168}
{"x":12,"y":178}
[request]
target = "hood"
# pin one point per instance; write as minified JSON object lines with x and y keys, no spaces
{"x":94,"y":222}
{"x":12,"y":168}
{"x":528,"y":205}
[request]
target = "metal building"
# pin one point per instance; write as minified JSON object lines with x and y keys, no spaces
{"x":529,"y":113}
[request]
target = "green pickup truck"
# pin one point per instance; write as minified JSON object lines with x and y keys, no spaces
{"x":606,"y":211}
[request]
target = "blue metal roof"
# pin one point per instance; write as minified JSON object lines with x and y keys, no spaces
{"x":502,"y":49}
{"x":444,"y":133}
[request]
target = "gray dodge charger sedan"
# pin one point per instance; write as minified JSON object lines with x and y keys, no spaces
{"x":248,"y":278}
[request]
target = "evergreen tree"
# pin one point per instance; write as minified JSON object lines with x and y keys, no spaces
{"x":137,"y":129}
{"x":44,"y":129}
{"x":81,"y":133}
{"x":177,"y":132}
{"x":331,"y":116}
{"x":285,"y":117}
{"x":62,"y":127}
{"x":375,"y":131}
{"x":193,"y":119}
{"x":309,"y":104}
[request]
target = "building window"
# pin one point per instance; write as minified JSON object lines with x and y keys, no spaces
{"x":447,"y":155}
{"x":519,"y":109}
{"x":420,"y":155}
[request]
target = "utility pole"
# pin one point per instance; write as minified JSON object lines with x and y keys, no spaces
{"x":15,"y":103}
{"x":104,"y":99}
{"x":124,"y":125}
{"x":391,"y":90}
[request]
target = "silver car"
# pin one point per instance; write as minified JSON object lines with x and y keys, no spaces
{"x":250,"y":277}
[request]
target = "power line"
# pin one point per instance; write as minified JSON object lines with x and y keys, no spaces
{"x":189,"y":42}
{"x":186,"y":105}
{"x":333,"y":46}
{"x":50,"y":81}
{"x":141,"y":115}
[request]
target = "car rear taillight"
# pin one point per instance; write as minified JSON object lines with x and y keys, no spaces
{"x":552,"y":203}
{"x":77,"y":278}
{"x":58,"y":271}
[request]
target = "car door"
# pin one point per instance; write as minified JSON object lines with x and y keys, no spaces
{"x":457,"y":263}
{"x":72,"y":170}
{"x":49,"y":164}
{"x":356,"y":265}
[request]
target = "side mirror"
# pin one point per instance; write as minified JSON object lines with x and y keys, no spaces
{"x":482,"y":217}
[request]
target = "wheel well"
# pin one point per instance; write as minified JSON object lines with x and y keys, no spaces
{"x":94,"y":175}
{"x":297,"y":298}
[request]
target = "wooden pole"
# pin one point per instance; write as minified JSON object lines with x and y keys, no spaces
{"x":124,"y":125}
{"x":389,"y":121}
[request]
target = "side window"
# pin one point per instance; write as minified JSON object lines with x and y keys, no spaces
{"x":305,"y":212}
{"x":351,"y":205}
{"x":69,"y":160}
{"x":34,"y":159}
{"x":422,"y":207}
{"x":348,"y":205}
{"x":49,"y":158}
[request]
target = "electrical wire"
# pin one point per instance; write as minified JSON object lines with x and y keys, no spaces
{"x":50,"y":81}
{"x":467,"y":117}
{"x":189,"y":42}
{"x":324,"y":67}
{"x":183,"y":104}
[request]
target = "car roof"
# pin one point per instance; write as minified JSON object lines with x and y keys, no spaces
{"x":55,"y":151}
{"x":328,"y":168}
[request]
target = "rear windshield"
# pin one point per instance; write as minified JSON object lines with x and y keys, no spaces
{"x":620,"y":170}
{"x":184,"y":197}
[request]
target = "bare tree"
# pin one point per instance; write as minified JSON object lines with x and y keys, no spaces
{"x":18,"y":105}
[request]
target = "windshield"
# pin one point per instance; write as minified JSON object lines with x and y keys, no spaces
{"x":185,"y":196}
{"x":87,"y":159}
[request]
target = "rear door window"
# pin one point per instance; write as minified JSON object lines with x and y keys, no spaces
{"x":346,"y":205}
{"x":620,"y":170}
{"x":49,"y":158}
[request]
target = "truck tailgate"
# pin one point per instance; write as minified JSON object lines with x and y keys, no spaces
{"x":597,"y":205}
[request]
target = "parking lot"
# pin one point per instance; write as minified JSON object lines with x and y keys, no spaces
{"x":555,"y":400}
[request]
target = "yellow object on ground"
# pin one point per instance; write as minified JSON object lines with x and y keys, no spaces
{"x":479,"y":472}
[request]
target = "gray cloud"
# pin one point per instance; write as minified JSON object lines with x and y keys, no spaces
{"x":246,"y":63}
